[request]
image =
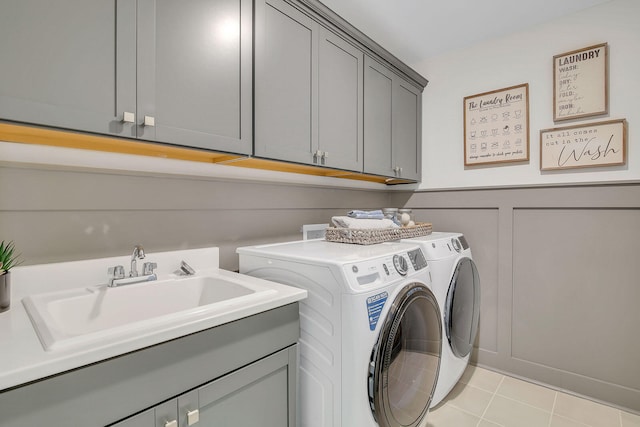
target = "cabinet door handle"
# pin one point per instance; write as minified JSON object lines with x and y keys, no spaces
{"x":128,"y":117}
{"x":149,"y":121}
{"x":323,"y":158}
{"x":172,"y":423}
{"x":193,"y":417}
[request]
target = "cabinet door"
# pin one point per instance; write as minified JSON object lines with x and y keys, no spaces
{"x":162,"y":415}
{"x":340,"y":102}
{"x":407,"y":124}
{"x":195,"y":73}
{"x":378,"y":136}
{"x":285,"y":82}
{"x":257,"y":395}
{"x":61,"y":61}
{"x":144,"y":419}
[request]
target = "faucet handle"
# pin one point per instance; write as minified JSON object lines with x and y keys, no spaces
{"x":148,"y":267}
{"x":115,"y":273}
{"x":186,"y":269}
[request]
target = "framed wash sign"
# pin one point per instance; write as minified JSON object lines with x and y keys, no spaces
{"x":580,"y":83}
{"x":584,"y":146}
{"x":496,"y":126}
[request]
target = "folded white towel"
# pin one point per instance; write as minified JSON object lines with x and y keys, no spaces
{"x":366,"y":214}
{"x":346,"y":222}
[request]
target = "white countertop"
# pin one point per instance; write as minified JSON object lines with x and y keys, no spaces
{"x":22,"y":356}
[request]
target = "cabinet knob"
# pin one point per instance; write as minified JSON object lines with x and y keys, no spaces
{"x":172,"y":423}
{"x":128,"y":117}
{"x":193,"y":417}
{"x":149,"y":121}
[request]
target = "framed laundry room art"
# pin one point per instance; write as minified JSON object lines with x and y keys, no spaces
{"x":496,"y":126}
{"x":580,"y":83}
{"x":584,"y":146}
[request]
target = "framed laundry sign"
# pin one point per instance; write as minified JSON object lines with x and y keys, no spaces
{"x":580,"y":83}
{"x":496,"y":126}
{"x":584,"y":146}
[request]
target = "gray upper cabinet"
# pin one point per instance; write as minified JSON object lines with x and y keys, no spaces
{"x":308,"y":90}
{"x":392,"y":123}
{"x":285,"y":82}
{"x":340,"y":103}
{"x":183,"y":73}
{"x":68,"y":63}
{"x":194,"y":68}
{"x":159,"y":70}
{"x":378,"y":95}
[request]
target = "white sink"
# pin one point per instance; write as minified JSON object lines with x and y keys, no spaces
{"x":97,"y":314}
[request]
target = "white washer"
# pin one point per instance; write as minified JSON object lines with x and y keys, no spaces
{"x":456,"y":284}
{"x":370,"y":329}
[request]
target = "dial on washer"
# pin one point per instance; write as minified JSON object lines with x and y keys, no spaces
{"x":400,"y":263}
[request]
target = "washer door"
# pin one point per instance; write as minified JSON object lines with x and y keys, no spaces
{"x":406,"y":359}
{"x":463,"y":307}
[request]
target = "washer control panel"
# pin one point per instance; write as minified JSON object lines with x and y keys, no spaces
{"x":385,"y":269}
{"x":417,"y":259}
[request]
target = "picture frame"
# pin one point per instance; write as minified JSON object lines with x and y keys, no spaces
{"x":581,"y":83}
{"x":584,"y":146}
{"x":496,"y":126}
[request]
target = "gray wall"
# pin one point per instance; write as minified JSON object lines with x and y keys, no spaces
{"x":559,"y":292}
{"x":62,"y":215}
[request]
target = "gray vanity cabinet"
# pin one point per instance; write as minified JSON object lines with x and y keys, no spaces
{"x":392,"y":123}
{"x":144,"y":419}
{"x":256,"y":395}
{"x":241,"y":374}
{"x":68,"y":63}
{"x":308,"y":90}
{"x":158,"y":70}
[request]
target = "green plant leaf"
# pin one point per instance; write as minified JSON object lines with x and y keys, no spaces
{"x":8,"y":259}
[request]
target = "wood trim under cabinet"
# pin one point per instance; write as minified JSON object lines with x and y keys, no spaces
{"x":67,"y":139}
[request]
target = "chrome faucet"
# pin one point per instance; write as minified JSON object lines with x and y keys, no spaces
{"x":116,"y":274}
{"x":138,"y":253}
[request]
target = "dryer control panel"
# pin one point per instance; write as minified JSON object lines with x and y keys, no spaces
{"x":445,"y":247}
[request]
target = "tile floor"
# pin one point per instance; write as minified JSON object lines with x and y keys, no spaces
{"x":484,"y":398}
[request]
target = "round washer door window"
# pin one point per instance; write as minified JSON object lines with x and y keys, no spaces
{"x":406,"y":359}
{"x":463,"y":307}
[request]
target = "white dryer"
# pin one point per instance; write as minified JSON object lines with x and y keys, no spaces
{"x":456,"y":284}
{"x":370,"y":329}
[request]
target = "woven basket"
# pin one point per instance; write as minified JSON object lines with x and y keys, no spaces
{"x":370,"y":236}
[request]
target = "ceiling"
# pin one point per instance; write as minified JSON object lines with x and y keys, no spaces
{"x":415,"y":30}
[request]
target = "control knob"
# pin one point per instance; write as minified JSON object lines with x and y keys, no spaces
{"x":400,"y":263}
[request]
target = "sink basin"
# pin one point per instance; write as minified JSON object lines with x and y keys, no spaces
{"x":94,"y":314}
